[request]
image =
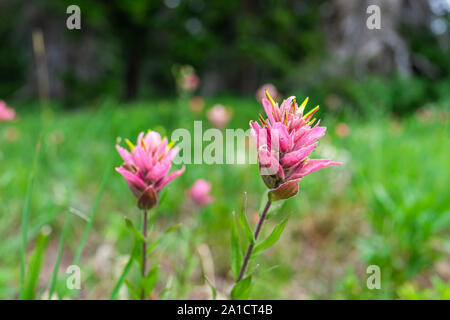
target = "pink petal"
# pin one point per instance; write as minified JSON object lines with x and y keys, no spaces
{"x":286,"y":105}
{"x":292,"y":158}
{"x":152,"y":139}
{"x":134,"y":182}
{"x":285,"y":140}
{"x":142,"y":159}
{"x":310,"y":137}
{"x":268,"y":108}
{"x":172,"y":153}
{"x":311,"y":166}
{"x":169,"y":178}
{"x":126,"y":156}
{"x":158,"y":171}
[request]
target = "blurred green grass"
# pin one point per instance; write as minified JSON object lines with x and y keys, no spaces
{"x":387,"y":204}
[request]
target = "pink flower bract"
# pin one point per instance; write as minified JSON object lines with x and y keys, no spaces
{"x":285,"y":140}
{"x":146,"y":168}
{"x":6,"y":113}
{"x":199,"y":192}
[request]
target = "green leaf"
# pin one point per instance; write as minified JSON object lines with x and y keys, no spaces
{"x":139,"y":236}
{"x":34,"y":266}
{"x":153,"y":245}
{"x":271,"y":239}
{"x":132,"y":290}
{"x":136,"y":253}
{"x":275,"y":207}
{"x":241,"y":290}
{"x":244,"y":223}
{"x":236,"y":254}
{"x":213,"y":290}
{"x":26,"y":215}
{"x":59,"y":254}
{"x":148,"y":282}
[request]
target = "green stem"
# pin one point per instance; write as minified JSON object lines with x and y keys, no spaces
{"x":144,"y":250}
{"x":248,"y":254}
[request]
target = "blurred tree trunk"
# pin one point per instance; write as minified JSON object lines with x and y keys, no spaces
{"x":381,"y":50}
{"x":133,"y":59}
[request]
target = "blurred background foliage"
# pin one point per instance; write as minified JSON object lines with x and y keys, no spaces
{"x":126,"y":49}
{"x":385,"y":97}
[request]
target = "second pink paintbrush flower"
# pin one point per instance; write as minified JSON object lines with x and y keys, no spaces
{"x":285,"y":140}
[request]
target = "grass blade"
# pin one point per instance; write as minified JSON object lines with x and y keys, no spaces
{"x":26,"y":216}
{"x":58,"y":257}
{"x":34,"y":267}
{"x":121,"y":279}
{"x":88,"y":226}
{"x":236,"y":254}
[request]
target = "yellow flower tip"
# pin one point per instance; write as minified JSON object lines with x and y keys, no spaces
{"x":312,"y":121}
{"x":293,"y":106}
{"x":130,"y":145}
{"x":310,"y":114}
{"x":170,"y":145}
{"x":263,"y":122}
{"x":143,"y":144}
{"x":303,"y":105}
{"x":270,"y":99}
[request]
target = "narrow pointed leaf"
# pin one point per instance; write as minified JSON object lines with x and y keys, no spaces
{"x":149,"y":281}
{"x":35,"y":264}
{"x":244,"y":222}
{"x":59,"y":254}
{"x":153,"y":244}
{"x":241,"y":290}
{"x":132,"y":290}
{"x":271,"y":239}
{"x":213,"y":290}
{"x":236,"y":253}
{"x":139,"y":236}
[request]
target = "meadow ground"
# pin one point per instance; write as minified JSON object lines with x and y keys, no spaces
{"x":387,"y":205}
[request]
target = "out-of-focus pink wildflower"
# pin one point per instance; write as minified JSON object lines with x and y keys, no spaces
{"x":146,"y":167}
{"x":342,"y":129}
{"x":261,"y":92}
{"x":6,"y":113}
{"x":219,"y":115}
{"x":284,"y":141}
{"x":196,"y":104}
{"x":199,"y":192}
{"x":190,"y":81}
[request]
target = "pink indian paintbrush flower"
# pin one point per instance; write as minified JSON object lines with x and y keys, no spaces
{"x":146,"y":167}
{"x":199,"y":192}
{"x":284,"y":141}
{"x":6,"y":113}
